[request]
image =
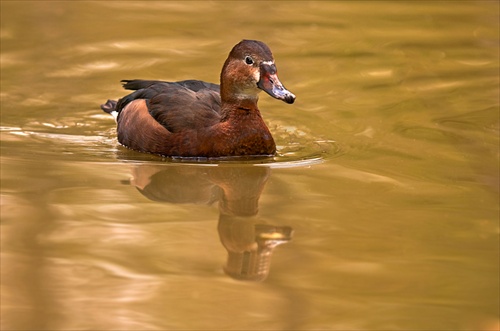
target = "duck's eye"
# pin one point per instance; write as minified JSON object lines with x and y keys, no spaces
{"x":248,"y":60}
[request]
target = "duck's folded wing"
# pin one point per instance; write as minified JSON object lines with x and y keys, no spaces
{"x":145,"y":93}
{"x":194,"y":85}
{"x":138,"y":84}
{"x":198,"y":85}
{"x":177,"y":106}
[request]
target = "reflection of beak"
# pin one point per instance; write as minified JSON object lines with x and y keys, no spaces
{"x":270,"y":83}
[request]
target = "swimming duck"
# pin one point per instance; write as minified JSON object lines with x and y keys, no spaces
{"x":192,"y":118}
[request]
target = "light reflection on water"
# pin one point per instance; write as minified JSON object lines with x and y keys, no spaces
{"x":384,"y":192}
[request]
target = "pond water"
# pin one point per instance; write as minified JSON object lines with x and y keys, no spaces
{"x":380,"y":211}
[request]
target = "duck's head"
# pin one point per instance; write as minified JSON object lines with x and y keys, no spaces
{"x":249,"y":69}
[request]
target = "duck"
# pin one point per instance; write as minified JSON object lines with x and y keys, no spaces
{"x":193,"y":118}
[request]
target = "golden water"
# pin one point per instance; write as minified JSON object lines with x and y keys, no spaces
{"x":380,"y":211}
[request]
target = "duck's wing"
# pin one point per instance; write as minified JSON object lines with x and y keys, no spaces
{"x":176,"y":106}
{"x":194,"y":85}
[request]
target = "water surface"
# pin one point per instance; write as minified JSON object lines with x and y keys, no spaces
{"x":380,"y":211}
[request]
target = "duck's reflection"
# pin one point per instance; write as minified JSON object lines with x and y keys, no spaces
{"x":249,"y":241}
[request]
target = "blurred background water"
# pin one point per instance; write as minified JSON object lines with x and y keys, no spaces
{"x":380,"y":211}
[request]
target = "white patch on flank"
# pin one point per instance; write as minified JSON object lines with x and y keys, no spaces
{"x":114,"y":113}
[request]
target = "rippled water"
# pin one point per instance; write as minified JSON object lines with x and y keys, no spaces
{"x":380,"y":211}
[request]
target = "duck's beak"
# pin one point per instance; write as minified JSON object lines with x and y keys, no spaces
{"x":270,"y":83}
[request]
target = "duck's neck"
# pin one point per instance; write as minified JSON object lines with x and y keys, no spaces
{"x":240,"y":110}
{"x":235,"y":94}
{"x":236,"y":103}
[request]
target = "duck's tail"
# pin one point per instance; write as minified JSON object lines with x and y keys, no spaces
{"x":110,"y":108}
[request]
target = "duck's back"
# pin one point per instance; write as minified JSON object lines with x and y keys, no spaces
{"x":177,"y":106}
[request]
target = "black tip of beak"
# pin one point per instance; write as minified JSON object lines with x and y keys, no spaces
{"x":290,"y":98}
{"x":270,"y":83}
